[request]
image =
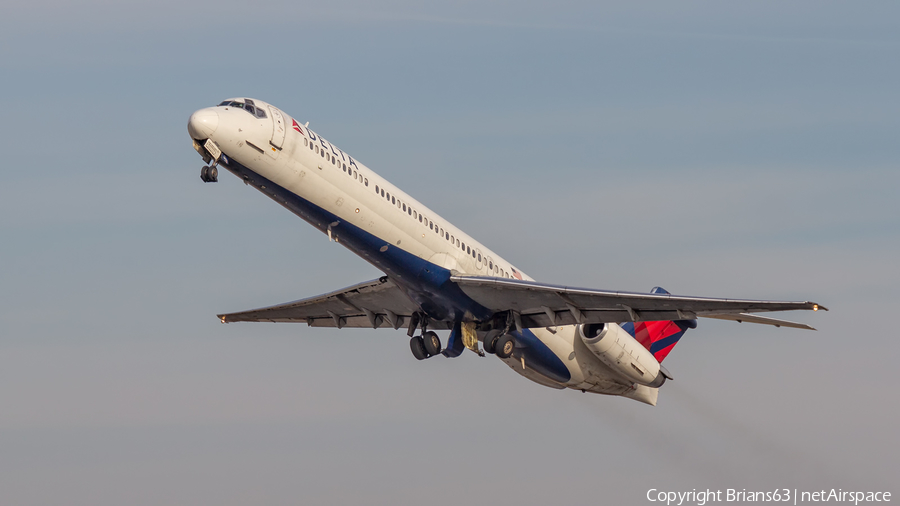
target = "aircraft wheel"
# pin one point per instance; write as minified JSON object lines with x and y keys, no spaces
{"x":490,"y":341}
{"x":213,"y":174}
{"x":432,"y":343}
{"x":418,"y":348}
{"x":505,"y":346}
{"x":204,"y":174}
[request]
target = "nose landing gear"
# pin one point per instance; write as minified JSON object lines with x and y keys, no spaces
{"x":209,"y":174}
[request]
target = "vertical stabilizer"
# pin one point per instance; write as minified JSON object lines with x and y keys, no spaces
{"x":659,"y":337}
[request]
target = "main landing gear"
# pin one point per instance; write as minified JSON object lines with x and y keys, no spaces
{"x":425,"y":346}
{"x":209,"y":174}
{"x":500,"y":345}
{"x":429,"y":344}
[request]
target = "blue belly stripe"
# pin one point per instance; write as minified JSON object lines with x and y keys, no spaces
{"x":540,"y":357}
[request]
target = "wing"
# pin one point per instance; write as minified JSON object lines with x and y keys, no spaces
{"x":373,"y":304}
{"x":543,"y":305}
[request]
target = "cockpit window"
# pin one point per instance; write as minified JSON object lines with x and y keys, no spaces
{"x":248,"y":105}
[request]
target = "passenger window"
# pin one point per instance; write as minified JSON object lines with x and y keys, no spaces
{"x":420,"y":218}
{"x":305,"y":142}
{"x":409,"y":211}
{"x":367,"y":181}
{"x":393,"y":200}
{"x":479,"y":257}
{"x":431,"y":225}
{"x":382,"y":193}
{"x":468,"y":249}
{"x":345,"y":166}
{"x":404,"y":207}
{"x":376,"y":188}
{"x":317,"y":150}
{"x":490,"y":265}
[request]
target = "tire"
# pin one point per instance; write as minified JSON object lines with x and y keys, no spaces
{"x":204,"y":174}
{"x":505,"y":346}
{"x":418,"y":348}
{"x":432,"y":343}
{"x":213,"y":174}
{"x":490,"y":341}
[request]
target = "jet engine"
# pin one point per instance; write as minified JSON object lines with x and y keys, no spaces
{"x":622,"y":353}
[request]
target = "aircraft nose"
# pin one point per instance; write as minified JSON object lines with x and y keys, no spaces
{"x":203,"y":123}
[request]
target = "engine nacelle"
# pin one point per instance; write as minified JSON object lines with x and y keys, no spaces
{"x":622,"y":353}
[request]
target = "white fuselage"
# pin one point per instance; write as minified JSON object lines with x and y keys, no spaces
{"x":356,"y":207}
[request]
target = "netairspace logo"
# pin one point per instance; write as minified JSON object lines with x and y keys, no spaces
{"x":782,"y":495}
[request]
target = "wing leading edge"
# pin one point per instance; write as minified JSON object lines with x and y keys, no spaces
{"x":543,"y":305}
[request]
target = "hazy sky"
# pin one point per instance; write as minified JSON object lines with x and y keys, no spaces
{"x":711,"y":148}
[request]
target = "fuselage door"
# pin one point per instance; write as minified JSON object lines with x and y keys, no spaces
{"x":278,"y":128}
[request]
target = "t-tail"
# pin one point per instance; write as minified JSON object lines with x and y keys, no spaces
{"x":659,"y":337}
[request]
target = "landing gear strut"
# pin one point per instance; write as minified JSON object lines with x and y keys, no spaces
{"x":209,"y":174}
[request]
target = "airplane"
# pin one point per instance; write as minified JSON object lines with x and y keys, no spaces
{"x":437,"y":277}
